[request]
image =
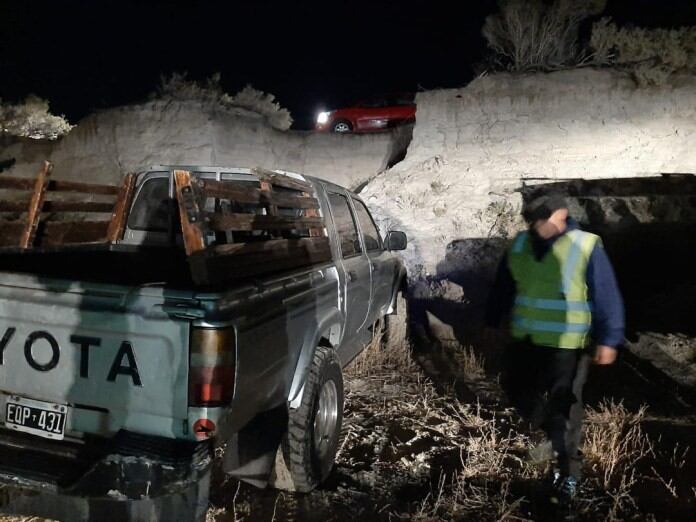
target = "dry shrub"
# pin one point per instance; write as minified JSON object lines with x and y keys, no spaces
{"x":651,"y":55}
{"x":470,"y":364}
{"x":467,"y":416}
{"x":485,"y":452}
{"x":464,"y":499}
{"x":615,"y":441}
{"x":32,"y":119}
{"x":178,"y":87}
{"x":530,"y":35}
{"x":382,"y":356}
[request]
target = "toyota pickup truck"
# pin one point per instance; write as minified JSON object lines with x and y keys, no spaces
{"x":120,"y":373}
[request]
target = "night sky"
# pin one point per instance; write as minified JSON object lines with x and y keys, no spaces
{"x":85,"y":55}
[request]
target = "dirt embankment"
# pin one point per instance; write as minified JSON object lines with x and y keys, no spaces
{"x":107,"y":144}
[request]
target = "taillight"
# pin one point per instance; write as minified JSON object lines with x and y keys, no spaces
{"x":211,"y":366}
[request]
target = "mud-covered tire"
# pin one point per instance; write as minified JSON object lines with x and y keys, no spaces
{"x":396,"y":324}
{"x":309,"y":447}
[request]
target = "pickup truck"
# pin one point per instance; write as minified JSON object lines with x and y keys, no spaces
{"x":120,"y":374}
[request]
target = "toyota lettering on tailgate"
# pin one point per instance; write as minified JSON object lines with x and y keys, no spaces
{"x":124,"y":362}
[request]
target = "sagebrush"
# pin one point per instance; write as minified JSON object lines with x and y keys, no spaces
{"x":178,"y":87}
{"x":651,"y":55}
{"x":32,"y":119}
{"x":528,"y":35}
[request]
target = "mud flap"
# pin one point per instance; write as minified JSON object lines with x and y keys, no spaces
{"x":189,"y":504}
{"x":250,"y":454}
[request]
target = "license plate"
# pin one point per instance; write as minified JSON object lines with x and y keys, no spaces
{"x":40,"y":418}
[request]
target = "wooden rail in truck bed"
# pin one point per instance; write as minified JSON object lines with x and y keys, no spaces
{"x":43,"y":213}
{"x":254,"y":230}
{"x":231,"y":229}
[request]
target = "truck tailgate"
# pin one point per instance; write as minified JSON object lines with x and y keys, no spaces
{"x":110,"y":354}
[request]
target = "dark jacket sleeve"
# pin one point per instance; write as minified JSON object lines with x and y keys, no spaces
{"x":502,"y":295}
{"x":608,"y":321}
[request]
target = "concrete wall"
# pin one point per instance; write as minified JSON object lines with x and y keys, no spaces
{"x":109,"y":143}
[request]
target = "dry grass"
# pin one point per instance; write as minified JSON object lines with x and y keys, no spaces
{"x":470,"y":364}
{"x":380,"y":358}
{"x":615,"y":441}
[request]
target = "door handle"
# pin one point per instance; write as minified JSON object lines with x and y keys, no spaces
{"x":352,"y":275}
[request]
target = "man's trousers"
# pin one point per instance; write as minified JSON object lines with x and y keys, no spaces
{"x":545,"y":385}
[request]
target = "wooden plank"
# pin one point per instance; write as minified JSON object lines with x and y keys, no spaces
{"x":250,"y":260}
{"x":117,"y":225}
{"x":16,"y":183}
{"x":246,"y":222}
{"x":294,"y":201}
{"x":35,"y":204}
{"x":191,"y":216}
{"x":58,"y":186}
{"x":89,"y":188}
{"x":221,"y":190}
{"x":56,"y":233}
{"x":10,"y":233}
{"x":58,"y":206}
{"x":313,"y":212}
{"x":14,"y":206}
{"x":280,"y":180}
{"x":77,"y":206}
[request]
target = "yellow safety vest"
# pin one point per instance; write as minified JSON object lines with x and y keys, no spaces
{"x":551,"y":306}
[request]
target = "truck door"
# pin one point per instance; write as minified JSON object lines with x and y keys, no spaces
{"x":356,"y":277}
{"x":382,"y":264}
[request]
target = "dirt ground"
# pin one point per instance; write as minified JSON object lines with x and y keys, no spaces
{"x":427,"y":435}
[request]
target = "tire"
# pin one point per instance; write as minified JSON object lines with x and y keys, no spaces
{"x":309,"y":447}
{"x":342,"y":127}
{"x":396,"y":325}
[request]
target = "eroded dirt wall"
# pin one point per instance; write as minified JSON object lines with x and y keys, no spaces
{"x":456,"y":194}
{"x":109,"y":143}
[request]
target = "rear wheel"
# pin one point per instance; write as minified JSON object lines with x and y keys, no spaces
{"x":342,"y":126}
{"x":309,"y":447}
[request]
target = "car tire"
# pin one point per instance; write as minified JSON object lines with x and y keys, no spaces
{"x":307,"y":452}
{"x":342,"y":127}
{"x":396,"y":328}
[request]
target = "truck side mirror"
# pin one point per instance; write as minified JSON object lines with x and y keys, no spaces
{"x":396,"y":240}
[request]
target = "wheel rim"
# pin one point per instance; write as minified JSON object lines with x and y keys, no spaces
{"x":325,"y":420}
{"x":342,"y":127}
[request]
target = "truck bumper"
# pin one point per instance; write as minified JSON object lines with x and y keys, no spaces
{"x":131,"y":477}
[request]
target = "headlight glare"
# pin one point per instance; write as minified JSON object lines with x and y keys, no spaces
{"x":323,"y":117}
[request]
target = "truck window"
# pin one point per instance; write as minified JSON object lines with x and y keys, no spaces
{"x":371,"y":236}
{"x":345,"y":225}
{"x":151,"y":209}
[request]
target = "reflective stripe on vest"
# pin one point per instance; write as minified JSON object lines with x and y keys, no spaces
{"x":551,"y":308}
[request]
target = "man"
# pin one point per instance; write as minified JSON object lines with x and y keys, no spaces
{"x":567,"y":311}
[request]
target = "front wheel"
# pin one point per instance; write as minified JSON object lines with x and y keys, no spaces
{"x":342,"y":127}
{"x":396,"y":331}
{"x":309,"y":447}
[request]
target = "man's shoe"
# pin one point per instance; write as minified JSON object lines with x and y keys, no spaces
{"x":564,"y":488}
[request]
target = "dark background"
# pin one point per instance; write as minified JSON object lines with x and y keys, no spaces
{"x":85,"y":55}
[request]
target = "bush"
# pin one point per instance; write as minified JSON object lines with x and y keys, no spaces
{"x":530,"y":35}
{"x":651,"y":55}
{"x":31,"y":119}
{"x":178,"y":87}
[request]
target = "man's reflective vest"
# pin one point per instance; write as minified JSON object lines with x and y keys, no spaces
{"x":551,"y":305}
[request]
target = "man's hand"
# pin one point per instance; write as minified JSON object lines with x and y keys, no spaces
{"x":604,"y":355}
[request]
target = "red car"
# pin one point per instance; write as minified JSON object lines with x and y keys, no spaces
{"x":369,"y":116}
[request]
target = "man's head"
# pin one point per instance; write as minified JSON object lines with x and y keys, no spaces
{"x":546,"y":215}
